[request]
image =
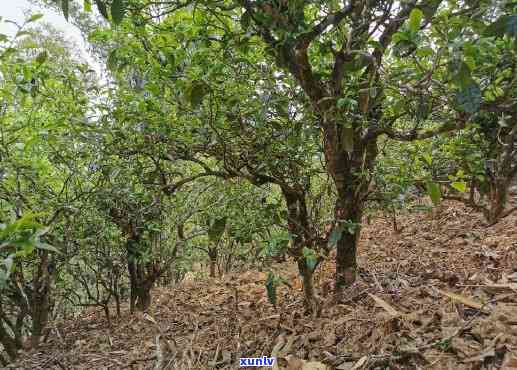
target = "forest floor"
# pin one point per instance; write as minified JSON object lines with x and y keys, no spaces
{"x":441,"y":294}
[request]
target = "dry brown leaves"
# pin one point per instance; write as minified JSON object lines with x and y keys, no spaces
{"x":440,"y":295}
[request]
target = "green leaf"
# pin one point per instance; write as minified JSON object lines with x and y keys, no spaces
{"x":102,"y":8}
{"x":401,"y":36}
{"x":424,"y":52}
{"x":118,"y":8}
{"x":87,"y":6}
{"x":196,"y":92}
{"x":245,"y":20}
{"x":7,"y":52}
{"x":358,"y":63}
{"x":42,"y":57}
{"x":112,"y":60}
{"x":277,"y":244}
{"x":311,"y":259}
{"x":35,"y":17}
{"x":335,"y":235}
{"x":428,"y":158}
{"x":350,"y":226}
{"x":434,"y":192}
{"x":30,"y":44}
{"x":463,"y":77}
{"x":3,"y":279}
{"x":25,"y":247}
{"x":461,"y":186}
{"x":65,"y":7}
{"x":216,"y":230}
{"x":46,"y":247}
{"x":415,"y":18}
{"x":504,"y":25}
{"x":22,"y":33}
{"x":346,"y":103}
{"x":271,"y":284}
{"x":469,"y":99}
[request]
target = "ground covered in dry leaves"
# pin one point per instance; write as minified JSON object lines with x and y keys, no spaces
{"x":442,"y":294}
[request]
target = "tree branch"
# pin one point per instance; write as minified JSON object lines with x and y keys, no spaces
{"x":303,"y":41}
{"x":420,"y":134}
{"x":392,"y":27}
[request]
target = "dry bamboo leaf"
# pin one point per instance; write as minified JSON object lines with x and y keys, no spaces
{"x":149,"y":318}
{"x":285,"y":349}
{"x":385,"y":305}
{"x":345,"y":366}
{"x":465,"y":300}
{"x":360,"y":363}
{"x":482,"y":356}
{"x":510,"y":361}
{"x":294,"y":363}
{"x":227,"y":357}
{"x":512,"y":277}
{"x":510,"y":286}
{"x":276,"y":349}
{"x":314,"y":365}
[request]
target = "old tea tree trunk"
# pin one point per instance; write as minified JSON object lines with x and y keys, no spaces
{"x":348,"y":102}
{"x":139,"y":285}
{"x":306,"y":243}
{"x":501,"y":176}
{"x":350,"y":171}
{"x":349,"y":152}
{"x":142,"y":273}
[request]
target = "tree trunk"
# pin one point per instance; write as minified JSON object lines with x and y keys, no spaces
{"x":228,"y":264}
{"x":501,"y":177}
{"x":10,"y":344}
{"x":350,"y":172}
{"x":133,"y":275}
{"x":348,"y":216}
{"x":3,"y":361}
{"x":302,"y":236}
{"x":143,"y":301}
{"x":140,"y":288}
{"x":346,"y":259}
{"x":140,"y":280}
{"x":40,"y":301}
{"x":117,"y":303}
{"x":132,"y":297}
{"x":106,"y":309}
{"x":498,"y":197}
{"x":396,"y":227}
{"x":310,"y":301}
{"x":116,"y":291}
{"x":212,"y":254}
{"x":140,"y":294}
{"x":212,"y":268}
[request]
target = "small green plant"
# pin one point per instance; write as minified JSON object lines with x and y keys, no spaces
{"x":19,"y":239}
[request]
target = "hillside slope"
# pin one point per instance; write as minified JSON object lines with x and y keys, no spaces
{"x":442,"y":294}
